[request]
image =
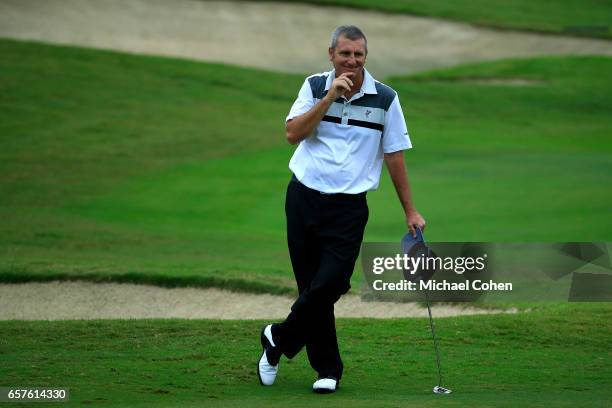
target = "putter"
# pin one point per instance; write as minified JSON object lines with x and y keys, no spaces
{"x":413,"y":247}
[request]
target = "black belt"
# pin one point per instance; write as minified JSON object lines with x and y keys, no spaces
{"x":338,"y":195}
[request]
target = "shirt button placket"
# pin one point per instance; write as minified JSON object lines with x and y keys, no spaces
{"x":345,"y":112}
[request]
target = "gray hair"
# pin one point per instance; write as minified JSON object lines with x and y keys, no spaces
{"x":349,"y":31}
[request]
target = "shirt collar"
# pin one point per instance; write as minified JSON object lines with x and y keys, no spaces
{"x":368,"y":86}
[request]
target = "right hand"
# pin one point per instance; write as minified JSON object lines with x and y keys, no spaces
{"x":341,"y":85}
{"x":414,"y":220}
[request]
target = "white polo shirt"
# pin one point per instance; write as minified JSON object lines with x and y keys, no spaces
{"x":344,"y":154}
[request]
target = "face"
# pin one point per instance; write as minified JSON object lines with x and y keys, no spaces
{"x":349,"y":56}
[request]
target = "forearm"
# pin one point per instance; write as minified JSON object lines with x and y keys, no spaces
{"x":397,"y":171}
{"x":299,"y":128}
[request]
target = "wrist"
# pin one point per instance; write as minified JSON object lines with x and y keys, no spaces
{"x":330,"y":97}
{"x":409,"y":209}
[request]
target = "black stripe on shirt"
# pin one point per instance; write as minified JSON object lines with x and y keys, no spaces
{"x":363,"y":123}
{"x":354,"y":122}
{"x":333,"y":119}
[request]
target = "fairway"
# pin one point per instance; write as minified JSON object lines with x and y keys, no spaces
{"x":145,"y":159}
{"x":559,"y":356}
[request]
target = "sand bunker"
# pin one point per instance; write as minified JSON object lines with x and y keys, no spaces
{"x":85,"y":300}
{"x":276,"y":36}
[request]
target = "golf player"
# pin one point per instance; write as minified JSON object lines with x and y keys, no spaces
{"x":345,"y":124}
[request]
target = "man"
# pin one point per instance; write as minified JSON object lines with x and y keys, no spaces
{"x":346,"y":124}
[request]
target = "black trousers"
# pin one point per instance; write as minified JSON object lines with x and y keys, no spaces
{"x":324,"y":234}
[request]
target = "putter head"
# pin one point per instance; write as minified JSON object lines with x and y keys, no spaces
{"x":416,"y":247}
{"x":438,"y":389}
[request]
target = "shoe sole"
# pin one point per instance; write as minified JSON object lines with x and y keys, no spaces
{"x":327,"y":390}
{"x":263,"y":346}
{"x":264,"y":341}
{"x":323,"y":391}
{"x":258,"y":374}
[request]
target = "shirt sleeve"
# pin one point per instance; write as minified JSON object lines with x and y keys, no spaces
{"x":303,"y":103}
{"x":395,"y":134}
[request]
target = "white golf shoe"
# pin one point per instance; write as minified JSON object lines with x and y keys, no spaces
{"x":267,"y":368}
{"x":325,"y":385}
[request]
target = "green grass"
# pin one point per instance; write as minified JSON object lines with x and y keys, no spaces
{"x":143,"y":169}
{"x":570,"y":17}
{"x":557,"y":356}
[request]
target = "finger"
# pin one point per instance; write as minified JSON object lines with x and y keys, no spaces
{"x":340,"y":91}
{"x":412,"y":230}
{"x":344,"y":85}
{"x":347,"y":77}
{"x":347,"y":81}
{"x":343,"y":88}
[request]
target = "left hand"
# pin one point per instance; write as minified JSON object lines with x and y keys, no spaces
{"x":414,"y":220}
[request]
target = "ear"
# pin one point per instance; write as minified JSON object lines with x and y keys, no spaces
{"x":330,"y":53}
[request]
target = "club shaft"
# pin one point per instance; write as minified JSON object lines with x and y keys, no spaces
{"x":435,"y":340}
